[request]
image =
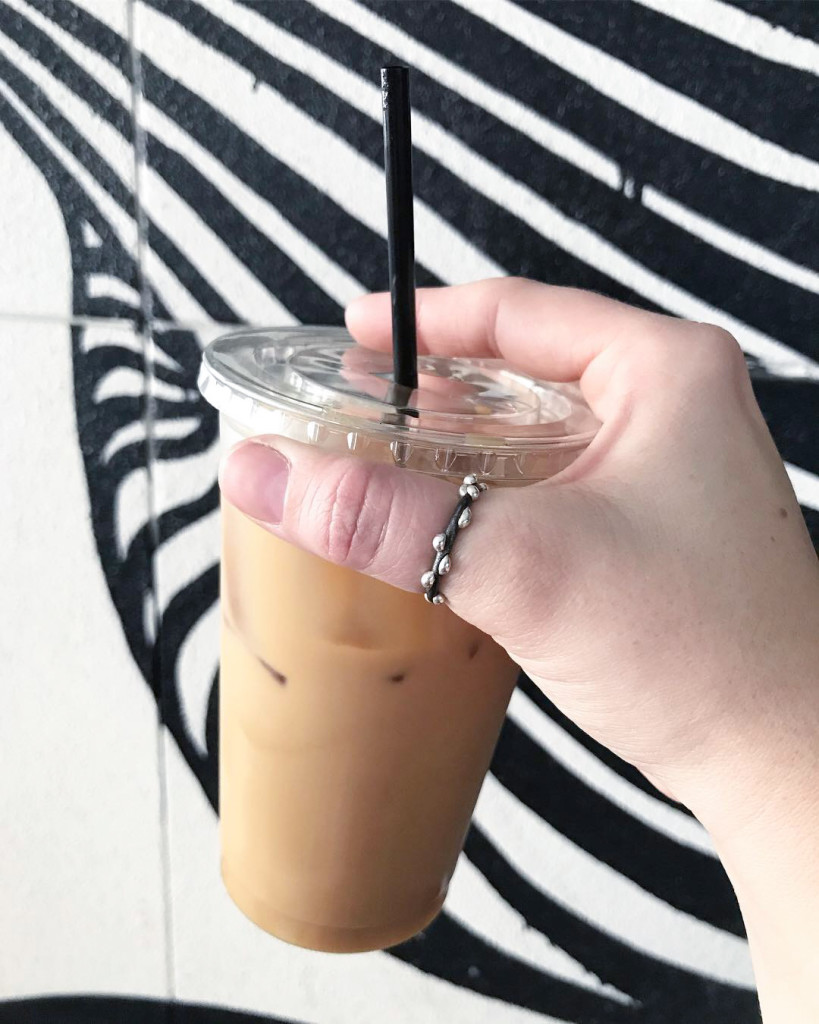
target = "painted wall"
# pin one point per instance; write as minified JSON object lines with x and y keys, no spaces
{"x":171,"y":167}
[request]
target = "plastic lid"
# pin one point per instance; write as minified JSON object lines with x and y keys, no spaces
{"x":316,"y":385}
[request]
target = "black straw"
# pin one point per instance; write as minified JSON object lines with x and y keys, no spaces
{"x":395,"y":102}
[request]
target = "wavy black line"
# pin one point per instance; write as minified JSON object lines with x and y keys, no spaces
{"x":801,"y":18}
{"x":156,"y":532}
{"x":182,"y":516}
{"x":130,"y":582}
{"x":666,"y":994}
{"x":447,"y":950}
{"x":104,"y":1009}
{"x":187,"y":181}
{"x":184,"y":610}
{"x":181,"y":345}
{"x":33,"y":97}
{"x":683,"y":877}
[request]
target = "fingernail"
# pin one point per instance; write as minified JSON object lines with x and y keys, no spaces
{"x":254,"y":479}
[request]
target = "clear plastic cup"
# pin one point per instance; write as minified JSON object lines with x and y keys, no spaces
{"x":357,"y":721}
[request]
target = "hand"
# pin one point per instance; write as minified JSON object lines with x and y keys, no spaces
{"x":647,"y":587}
{"x":662,"y":590}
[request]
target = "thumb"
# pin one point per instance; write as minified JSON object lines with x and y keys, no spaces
{"x":380,"y":520}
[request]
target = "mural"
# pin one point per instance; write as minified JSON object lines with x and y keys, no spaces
{"x":218,"y":163}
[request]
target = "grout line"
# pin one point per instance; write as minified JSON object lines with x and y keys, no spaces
{"x":126,"y":321}
{"x":69,"y":321}
{"x":206,"y":325}
{"x":146,"y":331}
{"x":140,"y":161}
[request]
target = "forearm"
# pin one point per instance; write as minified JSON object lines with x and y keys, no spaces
{"x":769,"y":844}
{"x":778,"y":892}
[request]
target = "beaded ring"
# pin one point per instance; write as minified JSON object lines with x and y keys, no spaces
{"x":442,"y":543}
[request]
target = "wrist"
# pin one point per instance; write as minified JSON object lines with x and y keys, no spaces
{"x":770,"y":857}
{"x":761,"y":791}
{"x":763,"y":815}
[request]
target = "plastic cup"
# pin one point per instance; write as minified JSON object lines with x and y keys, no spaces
{"x":357,"y":721}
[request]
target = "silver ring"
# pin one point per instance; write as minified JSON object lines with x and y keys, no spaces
{"x":442,"y":543}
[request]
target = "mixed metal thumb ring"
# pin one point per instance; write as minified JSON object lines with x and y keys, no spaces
{"x":442,"y":543}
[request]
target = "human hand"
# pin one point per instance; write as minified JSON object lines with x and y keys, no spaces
{"x":648,"y":588}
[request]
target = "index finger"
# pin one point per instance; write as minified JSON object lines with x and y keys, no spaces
{"x":548,"y":331}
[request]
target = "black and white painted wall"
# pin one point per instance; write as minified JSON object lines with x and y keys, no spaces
{"x":168,"y":167}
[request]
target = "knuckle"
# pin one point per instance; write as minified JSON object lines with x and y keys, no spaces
{"x":351,"y":516}
{"x":688,"y":351}
{"x":715,"y":357}
{"x":724,"y":349}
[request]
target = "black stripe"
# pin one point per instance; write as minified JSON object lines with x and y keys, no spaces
{"x":811,"y":516}
{"x":110,"y":309}
{"x":769,"y":212}
{"x":86,"y":29}
{"x":447,"y":950}
{"x":758,"y":298}
{"x":92,"y":1009}
{"x":212,"y":727}
{"x":171,"y":522}
{"x":800,"y":18}
{"x":666,"y":994}
{"x":779,"y":105}
{"x":683,"y":877}
{"x":791,"y":410}
{"x":189,"y":277}
{"x":181,"y":345}
{"x":184,"y":610}
{"x":181,"y":517}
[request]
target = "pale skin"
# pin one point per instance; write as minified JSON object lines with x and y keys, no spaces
{"x":663,"y":591}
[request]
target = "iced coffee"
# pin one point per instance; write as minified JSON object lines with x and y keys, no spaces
{"x":357,"y":721}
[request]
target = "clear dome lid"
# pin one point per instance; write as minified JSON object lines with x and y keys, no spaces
{"x":316,"y":385}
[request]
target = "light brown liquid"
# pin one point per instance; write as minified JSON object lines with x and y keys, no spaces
{"x":357,"y":722}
